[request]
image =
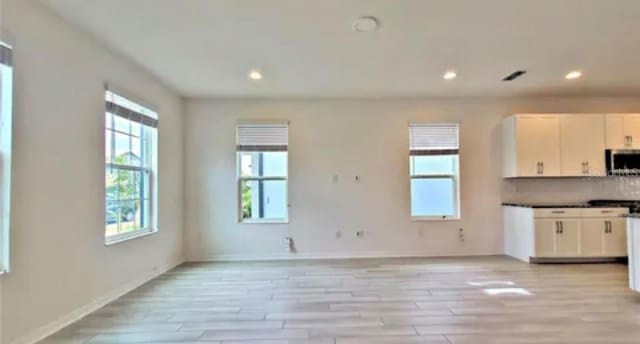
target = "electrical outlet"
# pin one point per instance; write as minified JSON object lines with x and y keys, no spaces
{"x":336,"y":179}
{"x":360,"y":234}
{"x":357,"y":178}
{"x":421,"y":233}
{"x":461,"y":235}
{"x":338,"y":234}
{"x":288,"y":244}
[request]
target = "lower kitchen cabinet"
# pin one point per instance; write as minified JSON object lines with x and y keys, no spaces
{"x":592,"y":236}
{"x":564,"y":233}
{"x":615,"y":242}
{"x":567,"y":238}
{"x":545,"y":237}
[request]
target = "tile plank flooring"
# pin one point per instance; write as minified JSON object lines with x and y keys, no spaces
{"x":419,"y":300}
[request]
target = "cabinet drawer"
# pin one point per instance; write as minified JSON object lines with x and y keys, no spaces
{"x":557,"y":212}
{"x":604,"y":212}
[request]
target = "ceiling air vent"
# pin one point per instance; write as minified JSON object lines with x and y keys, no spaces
{"x":514,"y":75}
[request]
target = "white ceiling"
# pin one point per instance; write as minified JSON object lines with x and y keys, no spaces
{"x":307,"y":48}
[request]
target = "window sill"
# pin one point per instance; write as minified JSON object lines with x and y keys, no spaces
{"x":274,"y":221}
{"x":435,"y":218}
{"x":117,"y":239}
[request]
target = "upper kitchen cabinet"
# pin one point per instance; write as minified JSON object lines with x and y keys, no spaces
{"x":531,"y":146}
{"x":582,"y":142}
{"x":623,"y":131}
{"x":554,"y":145}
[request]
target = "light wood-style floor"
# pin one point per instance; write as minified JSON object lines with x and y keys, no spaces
{"x":453,"y":300}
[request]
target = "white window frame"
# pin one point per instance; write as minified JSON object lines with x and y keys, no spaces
{"x":6,"y":153}
{"x":456,"y":193}
{"x":242,"y":178}
{"x":255,"y":137}
{"x":150,"y":148}
{"x":454,"y":177}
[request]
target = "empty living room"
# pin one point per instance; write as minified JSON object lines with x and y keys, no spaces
{"x":319,"y":171}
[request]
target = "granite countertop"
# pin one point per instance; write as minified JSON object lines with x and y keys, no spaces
{"x":579,"y":205}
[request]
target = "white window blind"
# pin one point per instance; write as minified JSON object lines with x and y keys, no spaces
{"x":127,"y":109}
{"x":262,"y":137}
{"x":433,"y":138}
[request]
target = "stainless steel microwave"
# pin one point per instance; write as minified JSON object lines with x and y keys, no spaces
{"x":622,"y":162}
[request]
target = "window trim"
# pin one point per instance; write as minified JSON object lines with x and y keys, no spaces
{"x":150,"y":228}
{"x":455,"y":176}
{"x":241,"y":178}
{"x":456,"y":198}
{"x":124,"y":237}
{"x":150,"y":171}
{"x":7,"y":95}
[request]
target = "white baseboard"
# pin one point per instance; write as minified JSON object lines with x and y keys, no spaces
{"x":77,"y":314}
{"x":335,"y":255}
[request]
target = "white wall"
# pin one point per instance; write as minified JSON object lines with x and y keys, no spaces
{"x":59,"y":261}
{"x":349,"y":137}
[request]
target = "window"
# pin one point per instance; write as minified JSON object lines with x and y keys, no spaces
{"x":262,"y":172}
{"x":131,"y":153}
{"x":433,"y":165}
{"x":6,"y":120}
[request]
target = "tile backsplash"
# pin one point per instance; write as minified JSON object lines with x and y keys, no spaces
{"x":570,"y":190}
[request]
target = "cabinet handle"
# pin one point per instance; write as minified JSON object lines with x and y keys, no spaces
{"x":558,"y":212}
{"x":542,"y":167}
{"x":557,"y":227}
{"x":561,"y":227}
{"x":628,"y":140}
{"x":606,"y":211}
{"x":539,"y":168}
{"x":609,"y":226}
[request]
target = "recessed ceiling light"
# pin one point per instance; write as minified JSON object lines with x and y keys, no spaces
{"x":365,"y":24}
{"x":449,"y":75}
{"x":255,"y":75}
{"x":572,"y":75}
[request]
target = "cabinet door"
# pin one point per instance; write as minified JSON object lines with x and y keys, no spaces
{"x":582,"y":145}
{"x":538,"y":145}
{"x":615,"y":241}
{"x":545,"y":233}
{"x":632,"y":130}
{"x":615,"y":131}
{"x":592,"y":232}
{"x":567,"y":241}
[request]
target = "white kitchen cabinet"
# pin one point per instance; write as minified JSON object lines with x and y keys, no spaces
{"x":567,"y":238}
{"x":545,"y":238}
{"x":615,"y":239}
{"x":556,"y":238}
{"x":622,"y":131}
{"x":567,"y":233}
{"x":531,"y":146}
{"x":582,"y":142}
{"x":592,"y":237}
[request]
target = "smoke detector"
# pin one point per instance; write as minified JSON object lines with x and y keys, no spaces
{"x":365,"y":24}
